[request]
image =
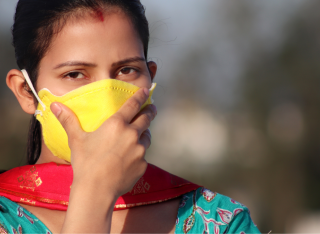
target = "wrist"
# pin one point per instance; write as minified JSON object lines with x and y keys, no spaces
{"x":93,"y":191}
{"x":87,"y":206}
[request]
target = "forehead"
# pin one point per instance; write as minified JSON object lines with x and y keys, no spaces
{"x":95,"y":36}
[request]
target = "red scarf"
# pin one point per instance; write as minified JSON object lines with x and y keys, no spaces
{"x":48,"y":185}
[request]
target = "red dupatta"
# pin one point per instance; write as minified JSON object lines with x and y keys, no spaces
{"x":48,"y":185}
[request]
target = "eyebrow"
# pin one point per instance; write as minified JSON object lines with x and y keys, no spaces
{"x":128,"y":60}
{"x":75,"y":63}
{"x":81,"y":63}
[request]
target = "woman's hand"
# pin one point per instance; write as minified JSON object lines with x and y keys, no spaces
{"x":109,"y":161}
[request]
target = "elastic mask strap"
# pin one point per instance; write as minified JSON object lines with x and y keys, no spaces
{"x":26,"y":76}
{"x":152,"y":88}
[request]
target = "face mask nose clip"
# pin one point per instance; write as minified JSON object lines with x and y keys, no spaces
{"x":26,"y":76}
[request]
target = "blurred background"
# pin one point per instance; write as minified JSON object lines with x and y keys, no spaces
{"x":238,"y":100}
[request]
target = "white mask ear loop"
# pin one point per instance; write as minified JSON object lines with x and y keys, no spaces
{"x":152,"y":87}
{"x":26,"y":76}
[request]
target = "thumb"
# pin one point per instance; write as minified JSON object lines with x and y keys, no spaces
{"x":67,"y":118}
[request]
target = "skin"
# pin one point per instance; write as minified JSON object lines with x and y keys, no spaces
{"x":85,"y":51}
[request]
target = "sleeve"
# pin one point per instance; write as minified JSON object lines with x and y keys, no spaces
{"x":243,"y":224}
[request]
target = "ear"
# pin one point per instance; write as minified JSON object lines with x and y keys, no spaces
{"x":152,"y":66}
{"x":16,"y":82}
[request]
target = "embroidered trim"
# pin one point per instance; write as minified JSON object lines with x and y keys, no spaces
{"x":32,"y":198}
{"x":142,"y":203}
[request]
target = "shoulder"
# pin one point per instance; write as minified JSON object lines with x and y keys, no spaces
{"x":209,"y":212}
{"x":14,"y":219}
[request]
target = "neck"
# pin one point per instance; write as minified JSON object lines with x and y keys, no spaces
{"x":46,"y":156}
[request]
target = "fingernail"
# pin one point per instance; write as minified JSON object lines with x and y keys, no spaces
{"x":56,"y":109}
{"x":146,"y":91}
{"x":148,"y":132}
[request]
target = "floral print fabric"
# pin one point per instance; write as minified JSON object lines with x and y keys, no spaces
{"x":200,"y":211}
{"x":203,"y":211}
{"x":16,"y":220}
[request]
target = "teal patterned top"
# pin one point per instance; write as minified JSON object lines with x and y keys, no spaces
{"x":16,"y":220}
{"x":200,"y":211}
{"x":203,"y":211}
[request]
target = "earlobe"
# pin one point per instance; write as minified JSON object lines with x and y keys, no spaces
{"x":16,"y":82}
{"x":152,"y":66}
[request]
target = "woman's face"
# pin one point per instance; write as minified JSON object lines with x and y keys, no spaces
{"x":92,"y":49}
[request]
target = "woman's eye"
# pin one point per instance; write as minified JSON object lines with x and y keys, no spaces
{"x":126,"y":71}
{"x":75,"y":75}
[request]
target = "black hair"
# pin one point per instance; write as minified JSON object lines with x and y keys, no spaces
{"x":36,"y":22}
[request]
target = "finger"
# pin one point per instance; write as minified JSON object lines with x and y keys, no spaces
{"x":143,"y":119}
{"x":133,"y":105}
{"x":145,"y":138}
{"x":67,"y":118}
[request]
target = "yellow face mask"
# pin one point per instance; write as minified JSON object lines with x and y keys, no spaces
{"x":92,"y":104}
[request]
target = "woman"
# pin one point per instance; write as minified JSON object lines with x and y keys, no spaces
{"x":74,"y":50}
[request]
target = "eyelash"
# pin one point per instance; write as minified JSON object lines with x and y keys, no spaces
{"x":130,"y":68}
{"x":78,"y":72}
